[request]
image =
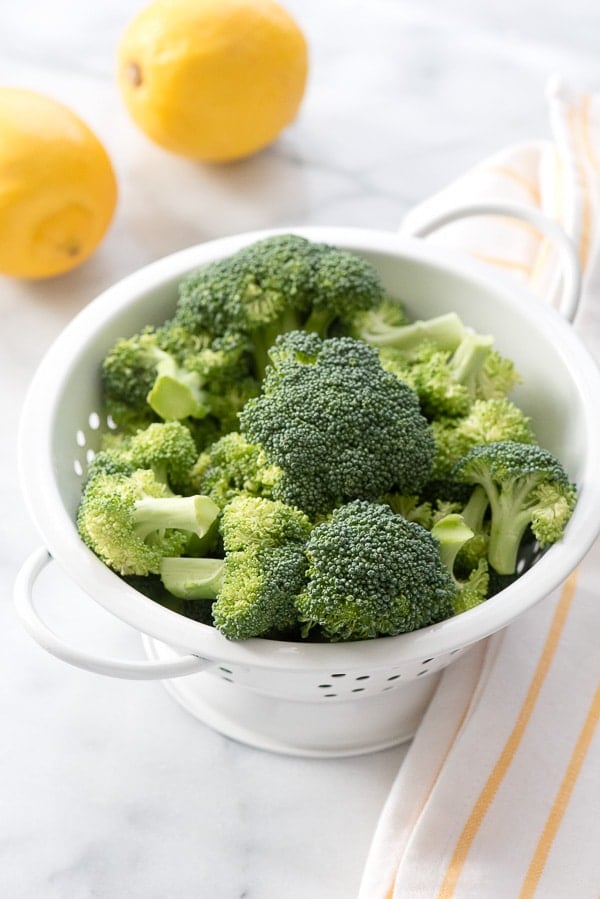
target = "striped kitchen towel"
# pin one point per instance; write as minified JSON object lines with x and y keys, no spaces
{"x":499,"y":793}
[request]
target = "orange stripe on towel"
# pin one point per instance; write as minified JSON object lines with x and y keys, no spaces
{"x":540,"y":856}
{"x":503,"y":263}
{"x":514,"y":175}
{"x":575,"y":127}
{"x":494,"y":781}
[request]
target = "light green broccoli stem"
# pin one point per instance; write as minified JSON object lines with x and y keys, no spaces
{"x":445,"y":331}
{"x":176,"y":393}
{"x":452,"y":533}
{"x":469,"y":359}
{"x":510,"y":518}
{"x":188,"y":578}
{"x":474,"y":511}
{"x":186,"y":513}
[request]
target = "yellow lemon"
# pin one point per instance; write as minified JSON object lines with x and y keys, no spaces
{"x":57,"y":186}
{"x":214,"y":80}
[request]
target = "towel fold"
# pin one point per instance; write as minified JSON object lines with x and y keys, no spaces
{"x":499,"y":793}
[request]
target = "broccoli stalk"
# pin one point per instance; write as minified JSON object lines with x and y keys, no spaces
{"x":177,"y":393}
{"x":192,"y":578}
{"x":443,"y":331}
{"x":526,"y":486}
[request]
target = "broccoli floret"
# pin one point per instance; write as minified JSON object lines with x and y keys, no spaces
{"x":337,"y":424}
{"x":251,"y":521}
{"x":258,"y":590}
{"x":446,"y":364}
{"x":137,"y":372}
{"x":264,"y":564}
{"x":230,"y":466}
{"x":453,"y":534}
{"x":372,"y":324}
{"x":132,"y":520}
{"x":487,"y":421}
{"x":275,"y":285}
{"x":372,"y":573}
{"x":431,"y":377}
{"x":167,"y":448}
{"x":526,"y":486}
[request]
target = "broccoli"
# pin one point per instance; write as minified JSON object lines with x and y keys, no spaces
{"x":264,"y":564}
{"x":444,"y":331}
{"x":167,"y":448}
{"x":453,"y":534}
{"x":132,"y":520}
{"x":372,"y":324}
{"x":277,"y":284}
{"x":250,"y":521}
{"x":337,"y":424}
{"x":258,"y":590}
{"x":190,"y":577}
{"x":138,"y":373}
{"x":372,"y":573}
{"x":231,"y":465}
{"x":487,"y":421}
{"x":445,"y":382}
{"x":253,"y":589}
{"x":525,"y":486}
{"x":446,"y":364}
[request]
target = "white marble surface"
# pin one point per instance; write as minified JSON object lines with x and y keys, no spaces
{"x":107,"y":788}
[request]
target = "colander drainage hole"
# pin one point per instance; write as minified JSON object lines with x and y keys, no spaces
{"x":425,"y":661}
{"x":325,"y":686}
{"x":393,"y":677}
{"x":424,"y":671}
{"x":363,"y":677}
{"x":358,"y":690}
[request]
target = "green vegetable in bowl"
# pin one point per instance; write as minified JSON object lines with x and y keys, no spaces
{"x":294,"y":456}
{"x":337,"y":424}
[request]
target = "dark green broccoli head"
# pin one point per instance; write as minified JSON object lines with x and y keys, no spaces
{"x":373,"y":573}
{"x":256,"y":597}
{"x":248,"y":289}
{"x":337,"y":424}
{"x":277,"y":284}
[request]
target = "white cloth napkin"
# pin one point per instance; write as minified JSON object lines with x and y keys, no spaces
{"x":499,"y":793}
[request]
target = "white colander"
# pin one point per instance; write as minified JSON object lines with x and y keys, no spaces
{"x":304,"y":699}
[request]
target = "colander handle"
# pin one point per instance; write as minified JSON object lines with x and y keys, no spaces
{"x":48,"y":640}
{"x":571,"y":271}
